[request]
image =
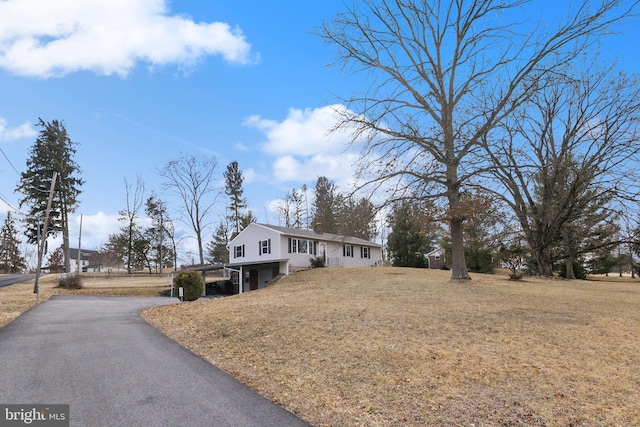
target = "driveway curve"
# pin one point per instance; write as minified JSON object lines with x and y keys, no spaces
{"x":98,"y":355}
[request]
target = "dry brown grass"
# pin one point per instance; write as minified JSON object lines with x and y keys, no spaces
{"x":387,"y":347}
{"x":15,"y":299}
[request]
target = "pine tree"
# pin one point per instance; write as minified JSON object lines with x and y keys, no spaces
{"x":355,"y":218}
{"x":11,"y":260}
{"x":52,"y":152}
{"x":237,"y":204}
{"x":217,"y":248}
{"x":324,"y":206}
{"x":159,"y":233}
{"x":409,"y":239}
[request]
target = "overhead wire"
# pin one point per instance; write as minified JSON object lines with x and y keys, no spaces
{"x":2,"y":197}
{"x":11,"y":164}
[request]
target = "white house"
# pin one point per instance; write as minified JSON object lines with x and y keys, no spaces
{"x":261,"y":252}
{"x":88,"y":260}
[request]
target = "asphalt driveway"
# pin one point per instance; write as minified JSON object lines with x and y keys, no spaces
{"x":99,"y":356}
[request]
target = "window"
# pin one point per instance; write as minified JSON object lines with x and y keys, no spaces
{"x":264,"y":247}
{"x":347,"y":250}
{"x":437,"y":257}
{"x":238,"y":251}
{"x":303,"y":246}
{"x":365,"y":252}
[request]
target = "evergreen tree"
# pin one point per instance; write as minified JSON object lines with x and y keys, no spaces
{"x":484,"y":219}
{"x":233,"y":180}
{"x":159,"y":234}
{"x":355,"y":218}
{"x":324,"y":206}
{"x":247,"y":219}
{"x":11,"y":260}
{"x":52,"y":152}
{"x":217,"y":248}
{"x":409,"y":239}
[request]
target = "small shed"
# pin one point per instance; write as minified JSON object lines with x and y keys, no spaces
{"x":435,"y":259}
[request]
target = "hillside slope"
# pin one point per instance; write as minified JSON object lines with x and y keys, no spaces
{"x":389,"y":346}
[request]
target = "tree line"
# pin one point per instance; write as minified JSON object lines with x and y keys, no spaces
{"x":503,"y":136}
{"x":461,"y":98}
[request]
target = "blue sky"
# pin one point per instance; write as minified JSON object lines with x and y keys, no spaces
{"x":259,"y":96}
{"x":141,"y":82}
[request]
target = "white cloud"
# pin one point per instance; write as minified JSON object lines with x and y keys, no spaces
{"x":306,"y":145}
{"x":44,"y":38}
{"x":96,"y":229}
{"x":25,"y":130}
{"x":338,"y":168}
{"x":303,"y":132}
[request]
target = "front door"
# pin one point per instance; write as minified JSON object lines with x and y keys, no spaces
{"x":253,"y":280}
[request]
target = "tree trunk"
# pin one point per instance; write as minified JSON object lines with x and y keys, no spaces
{"x":458,"y":262}
{"x":544,"y":262}
{"x":568,"y":266}
{"x":568,"y":261}
{"x":459,"y":269}
{"x":631,"y":263}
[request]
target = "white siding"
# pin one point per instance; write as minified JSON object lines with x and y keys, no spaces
{"x":251,"y":237}
{"x":279,"y":243}
{"x":298,"y":259}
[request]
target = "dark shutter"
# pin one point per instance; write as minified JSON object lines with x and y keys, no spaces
{"x":269,"y":245}
{"x":259,"y":247}
{"x":289,"y":244}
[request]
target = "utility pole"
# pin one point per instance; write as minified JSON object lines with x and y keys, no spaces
{"x":79,"y":245}
{"x":43,"y":238}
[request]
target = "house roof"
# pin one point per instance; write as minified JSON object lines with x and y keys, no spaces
{"x":436,"y":252}
{"x":327,"y":237}
{"x":84,"y":253}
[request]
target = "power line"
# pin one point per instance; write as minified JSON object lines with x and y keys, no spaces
{"x":9,"y":204}
{"x":5,"y":156}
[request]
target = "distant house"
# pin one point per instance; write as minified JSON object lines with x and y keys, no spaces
{"x":88,"y":260}
{"x":262,"y":252}
{"x":435,"y":259}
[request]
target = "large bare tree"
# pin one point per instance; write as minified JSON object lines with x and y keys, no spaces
{"x":439,"y":75}
{"x":565,"y":160}
{"x":192,"y":180}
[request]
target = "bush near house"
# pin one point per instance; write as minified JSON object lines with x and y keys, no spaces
{"x":192,"y":284}
{"x":317,"y":262}
{"x":70,"y":282}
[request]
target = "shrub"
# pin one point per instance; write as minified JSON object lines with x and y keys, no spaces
{"x":317,"y":262}
{"x":70,"y":282}
{"x":191,"y":283}
{"x":515,"y":275}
